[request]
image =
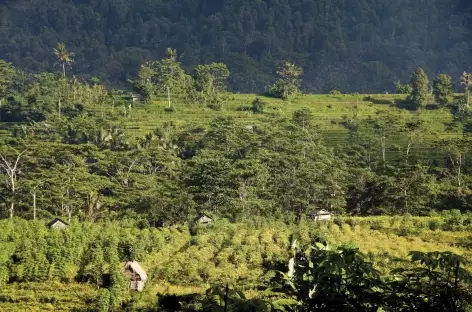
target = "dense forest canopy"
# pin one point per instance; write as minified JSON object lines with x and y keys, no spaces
{"x":354,"y":46}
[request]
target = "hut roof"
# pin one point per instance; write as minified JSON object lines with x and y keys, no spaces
{"x":136,"y":268}
{"x":320,"y":212}
{"x":203,"y":217}
{"x":56,"y":220}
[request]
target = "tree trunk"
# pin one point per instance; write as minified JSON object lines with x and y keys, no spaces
{"x":226,"y":297}
{"x":406,"y":200}
{"x":407,"y":153}
{"x":34,"y":205}
{"x":59,"y":108}
{"x":13,"y":191}
{"x":467,"y":94}
{"x":64,"y":69}
{"x":383,"y":150}
{"x":12,"y":208}
{"x":168,"y":96}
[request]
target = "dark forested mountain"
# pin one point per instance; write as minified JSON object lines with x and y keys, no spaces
{"x":352,"y":45}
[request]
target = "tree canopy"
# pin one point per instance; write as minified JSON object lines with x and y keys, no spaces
{"x":356,"y":46}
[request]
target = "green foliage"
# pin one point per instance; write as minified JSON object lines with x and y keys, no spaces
{"x":335,"y":92}
{"x":302,"y":118}
{"x":419,"y":88}
{"x":441,"y":284}
{"x":442,"y":89}
{"x":341,"y":279}
{"x":258,"y":106}
{"x":287,"y":87}
{"x":7,"y":72}
{"x":403,"y":88}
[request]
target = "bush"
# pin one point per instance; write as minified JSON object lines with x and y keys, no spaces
{"x":258,"y":106}
{"x":405,"y":229}
{"x":169,"y":109}
{"x":453,"y":218}
{"x":335,"y":92}
{"x":215,"y":106}
{"x":377,"y":225}
{"x":352,"y":222}
{"x":434,"y":224}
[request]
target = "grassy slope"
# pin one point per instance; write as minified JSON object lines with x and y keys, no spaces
{"x":328,"y":112}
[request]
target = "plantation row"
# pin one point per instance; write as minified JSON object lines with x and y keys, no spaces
{"x":41,"y":267}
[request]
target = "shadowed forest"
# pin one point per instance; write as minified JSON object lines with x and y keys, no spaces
{"x":354,"y":46}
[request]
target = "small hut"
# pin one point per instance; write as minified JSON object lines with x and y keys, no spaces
{"x":320,"y":215}
{"x":57,"y":224}
{"x":203,"y":219}
{"x":135,"y":97}
{"x":136,"y":275}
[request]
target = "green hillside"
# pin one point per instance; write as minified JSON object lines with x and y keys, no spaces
{"x":356,"y":46}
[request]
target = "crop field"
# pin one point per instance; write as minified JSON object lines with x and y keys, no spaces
{"x":239,"y":253}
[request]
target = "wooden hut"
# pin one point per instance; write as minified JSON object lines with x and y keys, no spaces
{"x":320,"y":215}
{"x":203,"y":219}
{"x":136,"y":275}
{"x":57,"y":224}
{"x":135,"y":97}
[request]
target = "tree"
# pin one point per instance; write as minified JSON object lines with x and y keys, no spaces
{"x":10,"y":166}
{"x":169,"y":74}
{"x":7,"y":72}
{"x":419,"y":84}
{"x":466,"y":81}
{"x":211,"y":78}
{"x":402,"y":88}
{"x":287,"y":86}
{"x":442,"y":88}
{"x":302,"y":117}
{"x":63,"y":56}
{"x":143,"y":83}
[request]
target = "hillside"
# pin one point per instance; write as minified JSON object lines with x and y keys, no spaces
{"x":356,"y":46}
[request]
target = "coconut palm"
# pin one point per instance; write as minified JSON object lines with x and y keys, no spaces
{"x":64,"y":56}
{"x":466,"y":81}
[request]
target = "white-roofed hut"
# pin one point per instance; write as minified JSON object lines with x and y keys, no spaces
{"x":320,"y":215}
{"x":136,"y":275}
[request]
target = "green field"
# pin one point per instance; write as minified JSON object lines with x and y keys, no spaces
{"x":182,"y":264}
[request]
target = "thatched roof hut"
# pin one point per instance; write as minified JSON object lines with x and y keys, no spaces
{"x":321,"y":214}
{"x":57,"y":224}
{"x":136,"y":275}
{"x":203,"y":218}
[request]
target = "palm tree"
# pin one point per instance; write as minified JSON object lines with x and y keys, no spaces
{"x":64,"y":56}
{"x":466,"y":81}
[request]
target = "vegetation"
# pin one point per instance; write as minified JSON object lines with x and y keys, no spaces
{"x":360,"y":46}
{"x":41,"y":267}
{"x":419,"y":88}
{"x":129,"y":173}
{"x":442,"y":89}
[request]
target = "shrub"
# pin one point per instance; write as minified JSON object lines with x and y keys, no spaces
{"x":453,"y":218}
{"x":405,"y":229}
{"x":258,"y":106}
{"x":377,"y":225}
{"x":335,"y":92}
{"x":215,"y":106}
{"x":169,"y":109}
{"x":352,"y":222}
{"x":434,"y":224}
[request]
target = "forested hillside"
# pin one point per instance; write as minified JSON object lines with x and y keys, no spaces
{"x":355,"y":45}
